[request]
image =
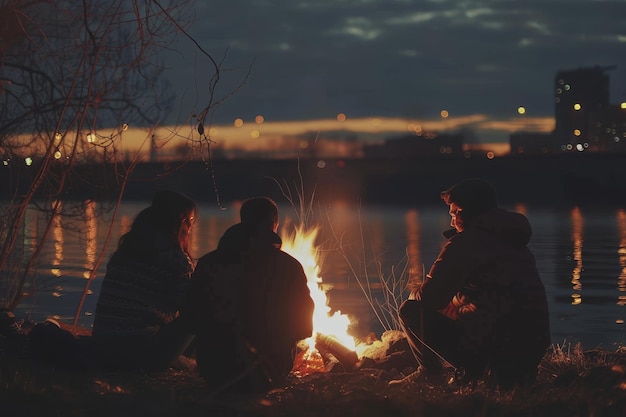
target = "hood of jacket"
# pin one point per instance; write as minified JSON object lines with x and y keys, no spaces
{"x":239,"y":238}
{"x":509,"y":227}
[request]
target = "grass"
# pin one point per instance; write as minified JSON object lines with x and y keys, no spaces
{"x":571,"y":382}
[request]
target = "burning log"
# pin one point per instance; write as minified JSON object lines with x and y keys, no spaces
{"x":329,"y":347}
{"x":331,"y":363}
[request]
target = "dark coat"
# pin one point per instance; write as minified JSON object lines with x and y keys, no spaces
{"x":249,"y":291}
{"x":490,"y":262}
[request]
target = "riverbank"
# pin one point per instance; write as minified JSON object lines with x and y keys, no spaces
{"x":570,"y":383}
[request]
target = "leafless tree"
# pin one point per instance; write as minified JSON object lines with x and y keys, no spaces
{"x":74,"y":75}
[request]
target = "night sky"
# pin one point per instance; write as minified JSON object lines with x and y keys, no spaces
{"x":315,"y":59}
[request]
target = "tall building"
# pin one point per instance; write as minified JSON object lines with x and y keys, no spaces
{"x":608,"y":129}
{"x":580,"y":95}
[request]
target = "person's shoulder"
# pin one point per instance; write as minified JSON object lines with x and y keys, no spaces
{"x":208,"y":258}
{"x":287,"y":258}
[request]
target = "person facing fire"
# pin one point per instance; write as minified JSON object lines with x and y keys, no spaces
{"x":249,"y":305}
{"x":482,"y":307}
{"x":136,"y":323}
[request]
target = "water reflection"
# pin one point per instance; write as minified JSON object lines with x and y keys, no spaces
{"x":125,"y":223}
{"x":621,"y":251}
{"x":413,"y":229}
{"x":577,"y":242}
{"x":91,"y":235}
{"x":57,"y":235}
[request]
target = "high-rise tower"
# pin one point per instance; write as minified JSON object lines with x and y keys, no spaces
{"x":579,"y":95}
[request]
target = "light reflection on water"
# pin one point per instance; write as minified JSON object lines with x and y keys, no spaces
{"x":581,"y":256}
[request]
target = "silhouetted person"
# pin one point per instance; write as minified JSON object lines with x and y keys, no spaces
{"x":482,"y":307}
{"x":137,"y":325}
{"x":249,"y":304}
{"x":136,"y":322}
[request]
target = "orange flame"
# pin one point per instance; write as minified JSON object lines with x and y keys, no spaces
{"x":301,"y":245}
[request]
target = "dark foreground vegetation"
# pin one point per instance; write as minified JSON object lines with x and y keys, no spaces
{"x":571,"y":382}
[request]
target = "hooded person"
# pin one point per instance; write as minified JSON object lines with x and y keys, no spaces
{"x":482,"y":308}
{"x":249,"y":304}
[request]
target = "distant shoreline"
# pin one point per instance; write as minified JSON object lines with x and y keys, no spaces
{"x":564,"y":179}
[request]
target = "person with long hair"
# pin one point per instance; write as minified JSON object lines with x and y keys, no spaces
{"x":136,"y":321}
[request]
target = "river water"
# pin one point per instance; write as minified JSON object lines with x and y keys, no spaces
{"x":580,"y":253}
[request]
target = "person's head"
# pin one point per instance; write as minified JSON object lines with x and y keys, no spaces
{"x":171,"y":214}
{"x":467,"y":200}
{"x":174,"y":213}
{"x":259,"y":213}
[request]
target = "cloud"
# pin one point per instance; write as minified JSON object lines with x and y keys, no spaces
{"x":394,"y":58}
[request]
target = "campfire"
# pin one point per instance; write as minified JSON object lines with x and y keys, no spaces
{"x":330,"y":345}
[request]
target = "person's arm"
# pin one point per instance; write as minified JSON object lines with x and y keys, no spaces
{"x":447,"y":275}
{"x":302,"y":305}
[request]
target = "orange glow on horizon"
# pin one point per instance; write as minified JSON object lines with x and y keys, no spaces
{"x":285,"y":135}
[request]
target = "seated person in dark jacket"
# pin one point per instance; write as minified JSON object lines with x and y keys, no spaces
{"x":249,"y":304}
{"x":136,"y":323}
{"x":482,"y":307}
